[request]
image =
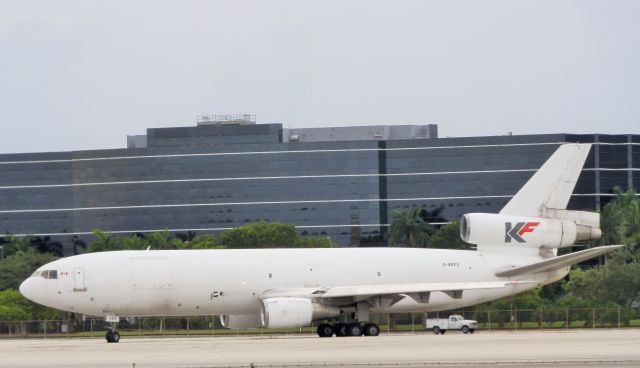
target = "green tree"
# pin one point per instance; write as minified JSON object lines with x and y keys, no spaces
{"x":104,"y":242}
{"x":260,"y":235}
{"x":8,"y":313}
{"x":17,"y":267}
{"x":315,"y":242}
{"x":448,"y":237}
{"x":617,"y":281}
{"x":202,"y":242}
{"x":161,"y":240}
{"x":269,"y":235}
{"x":133,"y":242}
{"x":23,"y":307}
{"x":620,"y":220}
{"x":16,"y":245}
{"x":408,"y":228}
{"x":527,"y":300}
{"x":15,"y":307}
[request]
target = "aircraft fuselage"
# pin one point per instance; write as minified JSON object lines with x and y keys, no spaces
{"x":214,"y":282}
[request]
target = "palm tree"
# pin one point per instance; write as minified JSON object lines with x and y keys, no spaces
{"x":187,"y":237}
{"x":104,"y":242}
{"x":161,"y":240}
{"x":434,"y":215}
{"x":77,"y":244}
{"x":44,"y":244}
{"x":408,"y":228}
{"x":134,"y":242}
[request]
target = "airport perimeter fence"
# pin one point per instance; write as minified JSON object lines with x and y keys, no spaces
{"x":521,"y":319}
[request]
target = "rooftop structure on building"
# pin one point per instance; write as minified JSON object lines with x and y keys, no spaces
{"x":242,"y":129}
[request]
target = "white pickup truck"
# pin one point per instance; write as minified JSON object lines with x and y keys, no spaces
{"x":455,"y":322}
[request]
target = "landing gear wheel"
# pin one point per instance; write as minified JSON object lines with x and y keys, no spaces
{"x":436,"y":330}
{"x":371,"y":329}
{"x":112,"y":336}
{"x":465,"y":329}
{"x":325,"y":330}
{"x":340,"y":329}
{"x":354,"y":329}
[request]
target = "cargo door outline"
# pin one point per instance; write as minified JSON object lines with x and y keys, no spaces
{"x":150,"y":274}
{"x":150,"y":284}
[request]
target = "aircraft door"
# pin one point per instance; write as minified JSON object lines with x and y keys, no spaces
{"x":78,"y":276}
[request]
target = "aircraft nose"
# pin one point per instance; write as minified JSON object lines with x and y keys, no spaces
{"x":29,"y":289}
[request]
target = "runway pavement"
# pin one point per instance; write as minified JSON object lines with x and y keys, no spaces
{"x":572,"y":348}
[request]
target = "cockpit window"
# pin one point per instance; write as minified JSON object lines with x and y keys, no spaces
{"x":47,"y":274}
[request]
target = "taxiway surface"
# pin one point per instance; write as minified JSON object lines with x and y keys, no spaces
{"x":572,"y":348}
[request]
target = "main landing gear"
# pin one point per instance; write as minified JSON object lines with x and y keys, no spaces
{"x":351,"y":329}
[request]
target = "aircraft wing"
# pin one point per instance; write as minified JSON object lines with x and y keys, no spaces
{"x":343,"y":291}
{"x":419,"y":292}
{"x":558,"y":262}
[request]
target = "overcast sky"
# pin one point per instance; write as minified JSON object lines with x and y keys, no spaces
{"x":84,"y":74}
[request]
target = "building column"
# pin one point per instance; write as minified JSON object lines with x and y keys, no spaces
{"x":596,"y":163}
{"x":382,"y":189}
{"x":629,"y":162}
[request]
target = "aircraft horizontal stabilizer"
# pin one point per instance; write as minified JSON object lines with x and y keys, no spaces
{"x":558,"y":262}
{"x":387,"y":289}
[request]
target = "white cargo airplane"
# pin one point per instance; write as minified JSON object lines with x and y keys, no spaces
{"x":516,"y":252}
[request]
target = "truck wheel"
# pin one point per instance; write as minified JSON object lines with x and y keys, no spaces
{"x":465,"y":329}
{"x":436,"y":330}
{"x":442,"y":332}
{"x":472,"y":330}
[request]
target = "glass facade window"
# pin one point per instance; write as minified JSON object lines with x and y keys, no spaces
{"x":345,"y":190}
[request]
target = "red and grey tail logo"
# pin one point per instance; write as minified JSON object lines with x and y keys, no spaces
{"x":518,"y":230}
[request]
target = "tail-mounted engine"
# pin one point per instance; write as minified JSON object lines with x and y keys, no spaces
{"x":561,"y":228}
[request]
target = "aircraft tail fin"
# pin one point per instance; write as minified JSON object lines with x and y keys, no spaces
{"x":536,"y":221}
{"x":551,"y":186}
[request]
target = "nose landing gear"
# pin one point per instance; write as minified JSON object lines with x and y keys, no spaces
{"x":112,"y":335}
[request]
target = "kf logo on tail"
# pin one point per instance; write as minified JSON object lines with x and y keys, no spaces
{"x":516,"y":231}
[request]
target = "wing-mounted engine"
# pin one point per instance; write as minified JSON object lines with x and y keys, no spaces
{"x":557,"y":229}
{"x":294,"y":312}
